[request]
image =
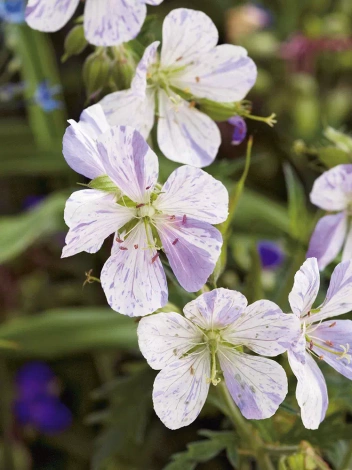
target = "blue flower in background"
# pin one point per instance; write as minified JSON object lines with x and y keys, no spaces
{"x":44,"y":96}
{"x":12,"y":11}
{"x":271,"y":255}
{"x":239,"y":131}
{"x":37,"y":401}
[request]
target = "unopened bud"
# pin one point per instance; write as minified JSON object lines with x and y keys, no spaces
{"x":96,"y":72}
{"x":75,"y":42}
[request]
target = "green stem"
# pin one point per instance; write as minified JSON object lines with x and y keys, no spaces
{"x":347,"y":461}
{"x":246,"y":431}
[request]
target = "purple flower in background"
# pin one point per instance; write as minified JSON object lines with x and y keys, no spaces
{"x":44,"y":96}
{"x":37,"y":403}
{"x":12,"y":11}
{"x":144,"y":216}
{"x":239,"y":131}
{"x":215,"y":328}
{"x":191,"y":62}
{"x":9,"y":91}
{"x":106,"y":22}
{"x":332,"y":191}
{"x":328,"y":341}
{"x":32,"y":201}
{"x":271,"y":255}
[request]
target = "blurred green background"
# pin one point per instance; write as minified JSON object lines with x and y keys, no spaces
{"x":303,"y":50}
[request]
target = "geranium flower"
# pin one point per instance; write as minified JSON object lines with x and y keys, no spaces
{"x":328,"y":341}
{"x":190,"y":65}
{"x":332,"y":191}
{"x":145,"y":216}
{"x":106,"y":22}
{"x":206,"y":346}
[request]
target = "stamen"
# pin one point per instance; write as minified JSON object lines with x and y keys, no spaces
{"x":197,"y":79}
{"x":332,"y":324}
{"x":148,"y":187}
{"x":321,"y":357}
{"x":311,"y":344}
{"x":123,"y":248}
{"x":155,"y":257}
{"x":140,"y":205}
{"x":344,"y":354}
{"x":329,"y":343}
{"x":172,"y":217}
{"x":184,"y":219}
{"x":135,"y":246}
{"x":175,"y":241}
{"x":118,"y":239}
{"x":192,"y":104}
{"x":179,"y":58}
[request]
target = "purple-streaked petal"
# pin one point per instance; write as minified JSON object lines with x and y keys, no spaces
{"x":305,"y":288}
{"x":186,"y":34}
{"x":332,"y":190}
{"x":165,"y":337}
{"x":186,"y":135}
{"x":347,"y":250}
{"x":49,"y":15}
{"x":311,"y":391}
{"x":194,"y":192}
{"x":153,"y":2}
{"x":124,"y":108}
{"x":192,"y":248}
{"x":180,"y":390}
{"x":224,"y":74}
{"x":335,"y":339}
{"x":327,"y":238}
{"x":257,"y":385}
{"x":129,"y":162}
{"x":264,"y":329}
{"x":239,"y":129}
{"x":112,"y":22}
{"x":216,"y":309}
{"x":79,"y":143}
{"x":339,"y":296}
{"x":139,"y":82}
{"x":133,"y":278}
{"x":92,"y":216}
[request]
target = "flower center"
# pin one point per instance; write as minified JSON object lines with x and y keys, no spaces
{"x":213,"y":338}
{"x":340,"y":350}
{"x":146,"y":211}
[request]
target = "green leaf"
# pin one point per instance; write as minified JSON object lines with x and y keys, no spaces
{"x":19,"y":232}
{"x":62,"y":332}
{"x":332,"y":156}
{"x":341,"y":140}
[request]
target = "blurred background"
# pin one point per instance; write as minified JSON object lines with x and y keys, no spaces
{"x":75,"y":393}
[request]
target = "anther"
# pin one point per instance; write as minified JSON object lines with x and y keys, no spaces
{"x":123,"y":248}
{"x":148,"y":187}
{"x":135,"y":247}
{"x":311,"y":344}
{"x":118,"y":239}
{"x":155,"y":257}
{"x":175,"y":241}
{"x":197,"y":79}
{"x":329,"y":343}
{"x":172,"y":217}
{"x":332,"y":324}
{"x":139,"y":205}
{"x":179,"y":58}
{"x":192,"y":104}
{"x":184,"y":219}
{"x":321,"y":357}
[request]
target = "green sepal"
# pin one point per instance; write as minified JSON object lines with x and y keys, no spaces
{"x":104,"y":183}
{"x":341,"y":140}
{"x":96,"y":71}
{"x":333,"y":156}
{"x":75,"y":42}
{"x":219,"y":111}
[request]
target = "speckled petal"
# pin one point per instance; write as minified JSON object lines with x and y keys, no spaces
{"x":311,"y":391}
{"x":194,"y":192}
{"x":264,"y":329}
{"x":216,"y":309}
{"x":224,"y":74}
{"x":79,"y":143}
{"x":332,"y":190}
{"x":112,"y":22}
{"x":139,"y":82}
{"x":347,"y":251}
{"x":92,"y":216}
{"x":186,"y":135}
{"x":257,"y":385}
{"x":129,"y":162}
{"x":192,"y":248}
{"x":153,"y":2}
{"x":180,"y":390}
{"x":305,"y":288}
{"x":164,"y":337}
{"x":133,"y":279}
{"x":49,"y":15}
{"x":327,"y":238}
{"x":124,"y":108}
{"x":186,"y":34}
{"x":339,"y":296}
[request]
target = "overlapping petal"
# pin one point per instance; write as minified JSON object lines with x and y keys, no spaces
{"x":79,"y":142}
{"x":332,"y":190}
{"x":165,"y":337}
{"x":186,"y":33}
{"x":347,"y":250}
{"x":339,"y":296}
{"x":327,"y":239}
{"x":305,"y":288}
{"x":332,"y":340}
{"x":129,"y":162}
{"x":186,"y":135}
{"x":49,"y":15}
{"x":257,"y":385}
{"x":195,"y":193}
{"x":111,"y":22}
{"x":192,"y":248}
{"x":181,"y":388}
{"x":133,"y":278}
{"x":92,"y":216}
{"x":125,"y":108}
{"x":264,"y":329}
{"x":224,"y":74}
{"x":216,"y":309}
{"x":139,"y":82}
{"x":311,"y":392}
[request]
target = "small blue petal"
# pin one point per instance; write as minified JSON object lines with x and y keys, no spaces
{"x":12,"y":11}
{"x":270,"y":253}
{"x":33,"y":379}
{"x":49,"y":415}
{"x":22,"y":412}
{"x":239,"y":131}
{"x":44,"y":96}
{"x":31,"y":201}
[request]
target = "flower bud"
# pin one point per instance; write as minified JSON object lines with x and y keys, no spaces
{"x":96,"y":72}
{"x":124,"y":66}
{"x":75,"y":42}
